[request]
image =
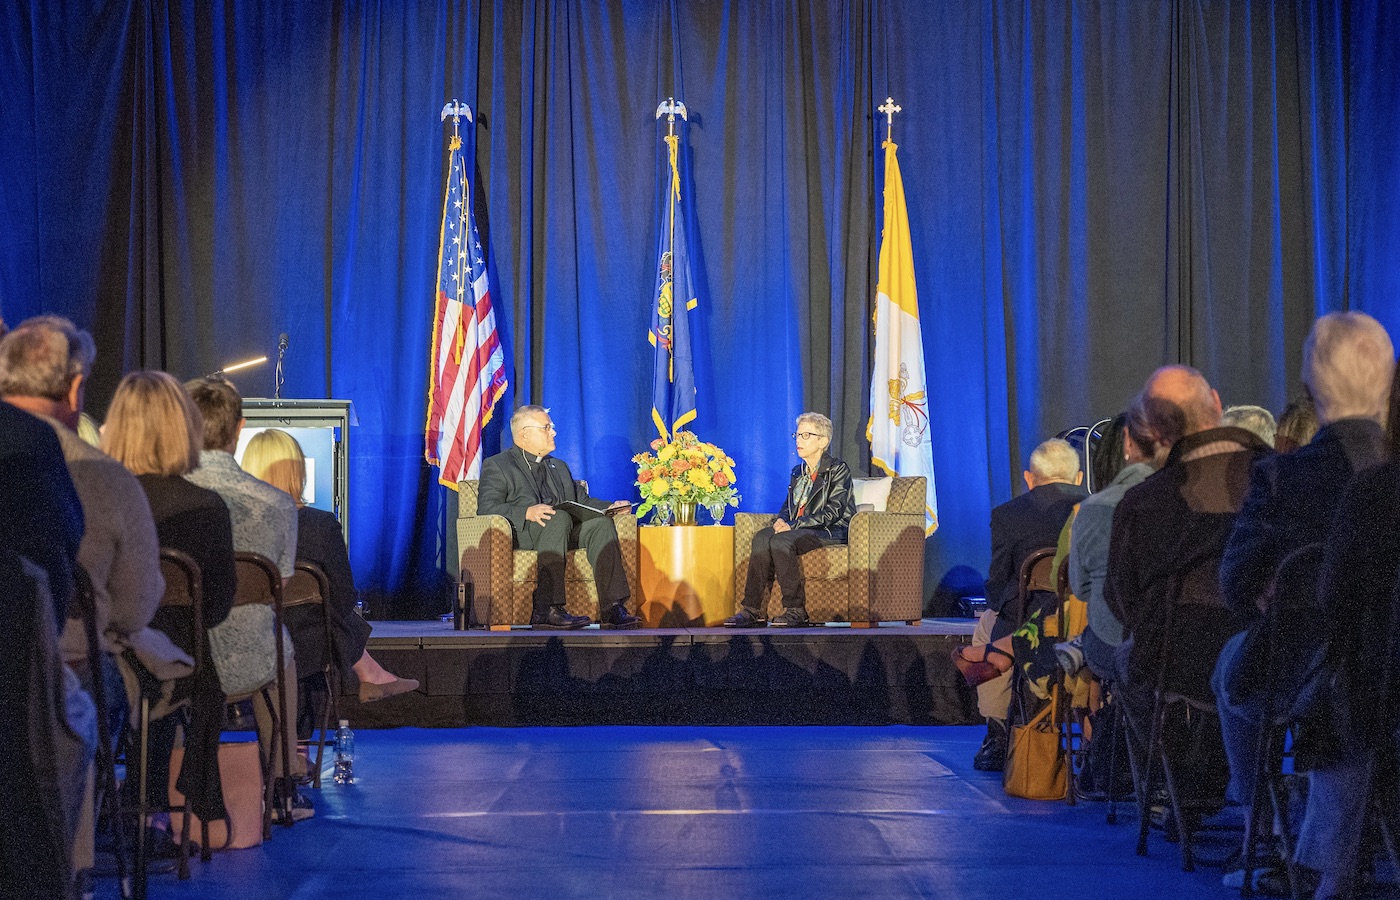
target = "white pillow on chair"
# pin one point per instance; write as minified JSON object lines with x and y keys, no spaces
{"x":871,"y":494}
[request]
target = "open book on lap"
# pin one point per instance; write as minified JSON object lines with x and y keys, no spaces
{"x":583,"y":513}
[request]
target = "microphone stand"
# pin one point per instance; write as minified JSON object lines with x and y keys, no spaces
{"x":280,"y":376}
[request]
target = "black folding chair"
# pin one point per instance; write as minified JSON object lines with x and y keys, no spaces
{"x":106,"y":796}
{"x":183,"y":591}
{"x":310,"y":587}
{"x":260,"y":582}
{"x":1293,"y":654}
{"x":1194,"y":587}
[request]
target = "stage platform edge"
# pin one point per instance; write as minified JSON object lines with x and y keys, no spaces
{"x":892,"y":674}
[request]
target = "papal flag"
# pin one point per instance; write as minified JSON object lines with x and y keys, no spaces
{"x":898,"y":430}
{"x":673,"y":371}
{"x":468,"y":367}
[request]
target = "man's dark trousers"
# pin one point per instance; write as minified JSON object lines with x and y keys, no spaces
{"x":597,"y":537}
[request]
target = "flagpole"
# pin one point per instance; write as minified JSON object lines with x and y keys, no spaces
{"x":668,"y":333}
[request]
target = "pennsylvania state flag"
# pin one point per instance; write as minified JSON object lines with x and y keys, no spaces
{"x":673,"y":372}
{"x":898,"y":430}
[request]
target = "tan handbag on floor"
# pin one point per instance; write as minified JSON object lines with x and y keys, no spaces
{"x":1036,"y":767}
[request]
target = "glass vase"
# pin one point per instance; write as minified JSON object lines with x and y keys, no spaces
{"x":661,"y":514}
{"x":685,"y":513}
{"x":716,"y":511}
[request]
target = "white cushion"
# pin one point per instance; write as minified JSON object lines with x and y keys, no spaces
{"x":872,"y":494}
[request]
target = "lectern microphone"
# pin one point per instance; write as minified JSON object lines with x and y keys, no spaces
{"x":281,"y":377}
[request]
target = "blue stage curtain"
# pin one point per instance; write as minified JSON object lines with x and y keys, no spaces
{"x":1094,"y":189}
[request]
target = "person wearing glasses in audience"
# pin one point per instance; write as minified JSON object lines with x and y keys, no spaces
{"x":816,"y":513}
{"x":525,"y":484}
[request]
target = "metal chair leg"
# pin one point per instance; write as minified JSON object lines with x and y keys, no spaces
{"x":1115,"y":716}
{"x":1183,"y":827}
{"x":142,"y":806}
{"x":1147,"y":760}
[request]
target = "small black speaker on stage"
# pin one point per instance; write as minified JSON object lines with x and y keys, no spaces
{"x":461,"y":613}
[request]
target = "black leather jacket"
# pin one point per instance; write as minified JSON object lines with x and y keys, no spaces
{"x":831,"y":505}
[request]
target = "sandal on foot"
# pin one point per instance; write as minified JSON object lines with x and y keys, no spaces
{"x":980,"y":671}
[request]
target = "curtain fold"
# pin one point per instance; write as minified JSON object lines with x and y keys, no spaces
{"x":1094,"y":188}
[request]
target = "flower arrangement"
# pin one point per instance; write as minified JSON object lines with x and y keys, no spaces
{"x":685,"y":470}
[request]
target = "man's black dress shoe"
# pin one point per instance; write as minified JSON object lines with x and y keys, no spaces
{"x":620,"y":618}
{"x":557,"y":617}
{"x":745,"y":619}
{"x":791,"y":617}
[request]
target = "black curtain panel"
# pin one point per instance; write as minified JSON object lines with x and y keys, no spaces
{"x":1094,"y":189}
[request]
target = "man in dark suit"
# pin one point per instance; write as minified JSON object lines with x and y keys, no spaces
{"x":1020,"y":526}
{"x":525,"y":484}
{"x":40,"y":515}
{"x":1348,"y":362}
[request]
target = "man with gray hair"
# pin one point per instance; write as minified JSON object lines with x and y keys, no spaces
{"x":1020,"y":526}
{"x":1348,"y":363}
{"x":525,"y":484}
{"x":44,"y":363}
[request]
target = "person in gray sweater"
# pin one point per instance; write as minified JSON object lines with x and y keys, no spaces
{"x":43,"y":365}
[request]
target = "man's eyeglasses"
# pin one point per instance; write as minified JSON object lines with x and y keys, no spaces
{"x":549,"y":429}
{"x":805,"y":435}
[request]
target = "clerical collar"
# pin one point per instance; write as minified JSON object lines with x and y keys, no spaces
{"x":532,"y":459}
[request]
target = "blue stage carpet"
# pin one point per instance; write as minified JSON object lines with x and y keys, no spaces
{"x":674,"y":812}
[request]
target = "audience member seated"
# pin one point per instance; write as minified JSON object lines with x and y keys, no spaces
{"x":1354,"y":742}
{"x":275,"y":457}
{"x":41,"y":518}
{"x":264,"y":522}
{"x":1296,"y":426}
{"x":1169,"y":534}
{"x":1136,"y":456}
{"x":153,"y":429}
{"x":1020,"y":526}
{"x":816,"y":513}
{"x":43,"y":370}
{"x":1348,"y":362}
{"x":41,"y":526}
{"x":1254,"y":419}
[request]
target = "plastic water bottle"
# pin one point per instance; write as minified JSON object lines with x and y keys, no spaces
{"x":344,"y":753}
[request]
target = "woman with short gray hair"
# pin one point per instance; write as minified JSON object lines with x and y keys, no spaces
{"x":816,"y":513}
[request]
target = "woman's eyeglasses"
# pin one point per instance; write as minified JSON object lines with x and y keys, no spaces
{"x":805,"y":435}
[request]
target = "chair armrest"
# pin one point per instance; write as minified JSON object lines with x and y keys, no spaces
{"x":486,"y":544}
{"x":886,"y":566}
{"x":629,"y":543}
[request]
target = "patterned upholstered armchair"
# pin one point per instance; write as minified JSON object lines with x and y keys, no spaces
{"x":503,"y":578}
{"x":878,"y":576}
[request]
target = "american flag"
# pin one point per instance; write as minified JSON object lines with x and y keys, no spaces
{"x":468,"y":366}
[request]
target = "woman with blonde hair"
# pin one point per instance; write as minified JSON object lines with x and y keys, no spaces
{"x":275,"y":457}
{"x":154,"y":430}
